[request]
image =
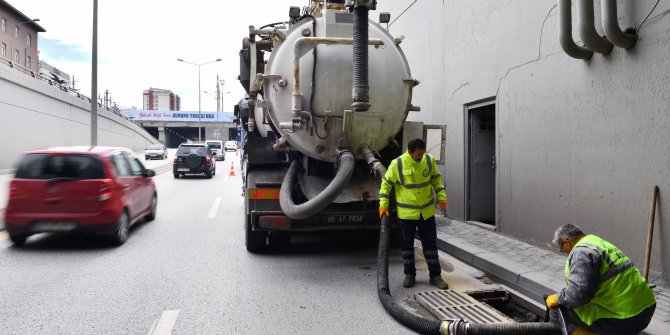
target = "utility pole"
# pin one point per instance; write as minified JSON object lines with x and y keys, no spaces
{"x":218,"y":94}
{"x":107,"y":98}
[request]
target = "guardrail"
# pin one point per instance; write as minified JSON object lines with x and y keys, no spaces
{"x":51,"y":82}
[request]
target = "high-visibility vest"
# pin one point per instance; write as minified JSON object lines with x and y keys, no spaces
{"x":413,"y":183}
{"x":622,"y":292}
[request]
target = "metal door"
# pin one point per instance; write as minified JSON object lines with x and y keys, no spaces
{"x":482,"y":164}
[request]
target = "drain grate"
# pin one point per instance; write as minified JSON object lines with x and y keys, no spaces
{"x":450,"y":305}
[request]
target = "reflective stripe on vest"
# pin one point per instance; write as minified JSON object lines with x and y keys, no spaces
{"x":408,"y":206}
{"x":401,"y":179}
{"x":429,"y":161}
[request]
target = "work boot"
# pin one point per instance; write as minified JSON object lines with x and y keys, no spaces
{"x":439,"y":283}
{"x":408,"y":281}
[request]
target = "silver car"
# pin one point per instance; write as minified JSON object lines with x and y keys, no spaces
{"x":155,"y":151}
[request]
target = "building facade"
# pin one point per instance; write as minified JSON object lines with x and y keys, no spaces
{"x":160,"y":99}
{"x":18,"y":37}
{"x":536,"y":138}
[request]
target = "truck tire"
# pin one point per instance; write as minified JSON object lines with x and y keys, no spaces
{"x":254,"y":240}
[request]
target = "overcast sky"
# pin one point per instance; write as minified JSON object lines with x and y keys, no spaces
{"x":140,"y":40}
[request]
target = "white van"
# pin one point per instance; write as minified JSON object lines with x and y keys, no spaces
{"x":216,"y":148}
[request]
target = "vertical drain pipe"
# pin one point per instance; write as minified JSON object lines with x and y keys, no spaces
{"x":361,"y":90}
{"x":565,"y":32}
{"x":587,"y":28}
{"x":611,"y":25}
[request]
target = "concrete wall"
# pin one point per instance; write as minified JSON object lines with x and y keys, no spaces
{"x":577,"y":141}
{"x":35,"y":115}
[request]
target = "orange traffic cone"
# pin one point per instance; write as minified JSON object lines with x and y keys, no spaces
{"x":232,"y":170}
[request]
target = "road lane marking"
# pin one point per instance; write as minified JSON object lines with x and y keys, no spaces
{"x":164,"y":324}
{"x":3,"y":235}
{"x":215,"y":208}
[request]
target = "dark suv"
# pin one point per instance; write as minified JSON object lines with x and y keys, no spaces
{"x":193,"y":158}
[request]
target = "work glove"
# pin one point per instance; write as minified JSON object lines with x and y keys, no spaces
{"x":443,"y":205}
{"x":383,"y":211}
{"x":552,"y":301}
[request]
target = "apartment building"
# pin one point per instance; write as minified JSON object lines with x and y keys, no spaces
{"x":18,"y":37}
{"x":160,"y":99}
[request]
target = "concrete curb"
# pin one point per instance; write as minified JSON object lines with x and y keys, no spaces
{"x":509,"y":273}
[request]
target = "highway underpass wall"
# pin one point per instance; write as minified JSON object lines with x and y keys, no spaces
{"x":576,"y":141}
{"x":36,"y":115}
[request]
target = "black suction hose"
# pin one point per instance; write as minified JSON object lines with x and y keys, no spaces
{"x":321,"y":201}
{"x":411,"y":321}
{"x":361,"y":90}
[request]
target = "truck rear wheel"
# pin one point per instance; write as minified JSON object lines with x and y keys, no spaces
{"x":254,"y":240}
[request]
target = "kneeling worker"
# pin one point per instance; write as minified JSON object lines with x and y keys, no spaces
{"x":414,"y":176}
{"x":606,"y":293}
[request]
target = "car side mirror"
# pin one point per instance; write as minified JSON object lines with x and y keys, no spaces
{"x":149,"y":173}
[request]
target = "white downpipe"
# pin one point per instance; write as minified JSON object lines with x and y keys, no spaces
{"x":565,"y":32}
{"x":587,"y":29}
{"x":611,"y":25}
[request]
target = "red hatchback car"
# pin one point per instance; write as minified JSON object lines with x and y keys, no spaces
{"x":98,"y":190}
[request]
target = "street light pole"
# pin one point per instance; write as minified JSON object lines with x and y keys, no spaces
{"x":199,"y":92}
{"x":94,"y":78}
{"x":199,"y":107}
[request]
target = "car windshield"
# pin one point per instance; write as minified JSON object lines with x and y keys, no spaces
{"x":185,"y":150}
{"x":48,"y":166}
{"x":214,"y":145}
{"x":155,"y":147}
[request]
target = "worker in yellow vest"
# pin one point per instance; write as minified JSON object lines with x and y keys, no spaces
{"x":414,"y":177}
{"x":606,"y":293}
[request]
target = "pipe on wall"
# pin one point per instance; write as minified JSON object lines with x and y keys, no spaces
{"x":587,"y":29}
{"x":565,"y":32}
{"x":611,"y":25}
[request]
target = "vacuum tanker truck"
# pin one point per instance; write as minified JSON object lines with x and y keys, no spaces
{"x":328,"y":94}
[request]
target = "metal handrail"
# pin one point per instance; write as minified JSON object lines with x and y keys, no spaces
{"x":51,"y":82}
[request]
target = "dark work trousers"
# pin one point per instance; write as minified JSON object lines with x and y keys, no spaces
{"x":632,"y":325}
{"x":428,"y":235}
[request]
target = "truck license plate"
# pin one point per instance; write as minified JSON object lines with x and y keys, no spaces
{"x":344,"y":219}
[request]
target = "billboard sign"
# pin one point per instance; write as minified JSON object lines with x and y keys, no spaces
{"x":177,"y":116}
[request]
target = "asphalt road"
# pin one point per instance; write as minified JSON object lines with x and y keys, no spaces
{"x":189,"y":272}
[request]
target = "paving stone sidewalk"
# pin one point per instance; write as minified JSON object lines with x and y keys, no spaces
{"x":523,"y":267}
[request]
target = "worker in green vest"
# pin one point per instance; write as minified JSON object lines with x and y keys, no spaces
{"x":414,"y":177}
{"x":606,"y":293}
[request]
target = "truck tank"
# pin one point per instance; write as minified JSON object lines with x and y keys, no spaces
{"x":327,"y":106}
{"x":325,"y":80}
